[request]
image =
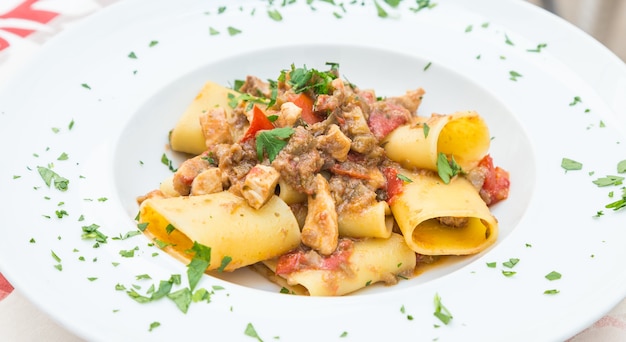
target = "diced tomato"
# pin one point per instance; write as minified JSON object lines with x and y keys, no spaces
{"x":497,"y":182}
{"x":259,"y":122}
{"x":289,"y":263}
{"x":385,"y":119}
{"x":339,"y":169}
{"x":297,"y":260}
{"x":395,"y":185}
{"x":305,"y":102}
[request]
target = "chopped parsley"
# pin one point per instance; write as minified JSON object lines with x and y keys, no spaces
{"x":538,"y":48}
{"x":569,"y":164}
{"x":154,"y":325}
{"x":608,"y":181}
{"x":182,"y":298}
{"x":52,"y":178}
{"x":167,"y":162}
{"x":551,"y":292}
{"x":199,"y":264}
{"x":250,"y":331}
{"x":514,"y":75}
{"x":447,"y":169}
{"x":441,"y":311}
{"x":275,"y":15}
{"x":575,"y":101}
{"x":554,"y":275}
{"x":303,"y":79}
{"x":225,"y":261}
{"x":233,"y":31}
{"x":272,"y":142}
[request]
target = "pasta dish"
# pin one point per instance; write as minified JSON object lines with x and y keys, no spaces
{"x":321,"y":186}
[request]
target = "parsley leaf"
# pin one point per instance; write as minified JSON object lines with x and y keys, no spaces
{"x":608,"y":180}
{"x":441,"y":311}
{"x":569,"y":164}
{"x":199,"y":264}
{"x":272,"y":142}
{"x":50,"y":177}
{"x":302,"y":79}
{"x":447,"y":169}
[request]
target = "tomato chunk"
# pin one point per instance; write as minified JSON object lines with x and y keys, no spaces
{"x":305,"y":102}
{"x":395,"y":185}
{"x":260,"y":122}
{"x":497,"y":183}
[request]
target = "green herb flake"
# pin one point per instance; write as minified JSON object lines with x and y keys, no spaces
{"x":153,"y":43}
{"x":55,"y":256}
{"x":469,"y":28}
{"x":128,"y":253}
{"x":510,"y":263}
{"x":92,"y":278}
{"x":608,"y":181}
{"x":275,"y":15}
{"x":343,"y":334}
{"x":132,"y":55}
{"x":92,"y":232}
{"x":182,"y":299}
{"x":170,"y":228}
{"x":200,"y":295}
{"x":250,"y":331}
{"x":272,"y":142}
{"x":575,"y":101}
{"x":570,"y":164}
{"x":538,"y":48}
{"x":508,"y":273}
{"x":426,"y":129}
{"x":508,"y":40}
{"x":514,"y":75}
{"x":404,"y":178}
{"x":167,"y":162}
{"x":621,"y":166}
{"x":380,"y":11}
{"x":554,"y":275}
{"x":233,"y":31}
{"x":225,"y":261}
{"x":154,"y":325}
{"x":63,"y":156}
{"x":213,"y":31}
{"x":52,"y":178}
{"x":199,"y":264}
{"x":426,"y":67}
{"x":86,"y":86}
{"x":441,"y":312}
{"x":447,"y":169}
{"x":491,"y":264}
{"x":551,"y":292}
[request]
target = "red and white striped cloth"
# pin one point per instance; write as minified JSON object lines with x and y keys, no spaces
{"x":24,"y":26}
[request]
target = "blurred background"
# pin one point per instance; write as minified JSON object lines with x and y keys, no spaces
{"x":605,"y":20}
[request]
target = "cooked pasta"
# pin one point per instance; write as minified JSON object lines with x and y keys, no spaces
{"x":324,"y":187}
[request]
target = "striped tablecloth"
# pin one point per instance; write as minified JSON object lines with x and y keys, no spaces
{"x":24,"y":26}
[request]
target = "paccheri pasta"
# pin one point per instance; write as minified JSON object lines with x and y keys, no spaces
{"x":323,"y":187}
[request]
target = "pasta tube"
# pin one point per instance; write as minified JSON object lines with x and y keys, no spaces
{"x":464,"y":135}
{"x":225,"y":223}
{"x":369,"y":222}
{"x":443,"y":219}
{"x":187,"y":135}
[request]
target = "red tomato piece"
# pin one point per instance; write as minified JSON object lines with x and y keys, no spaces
{"x":305,"y":102}
{"x":497,"y":182}
{"x":260,"y":122}
{"x":395,"y":185}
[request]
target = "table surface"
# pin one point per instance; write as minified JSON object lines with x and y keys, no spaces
{"x":24,"y":26}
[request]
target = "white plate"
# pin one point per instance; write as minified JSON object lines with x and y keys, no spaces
{"x":111,"y":134}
